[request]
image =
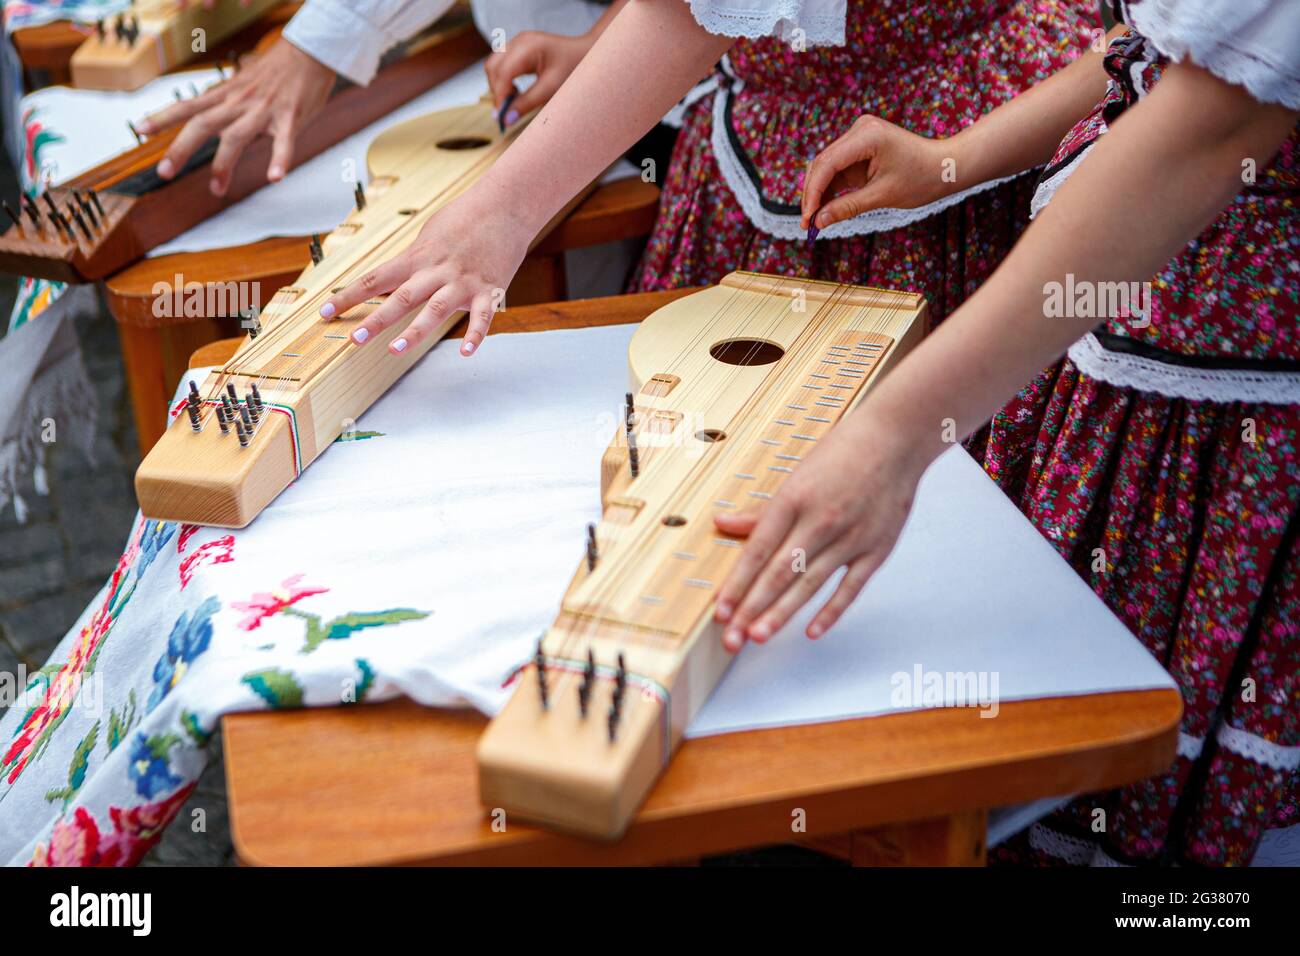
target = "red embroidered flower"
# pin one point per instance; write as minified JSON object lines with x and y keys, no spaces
{"x":263,"y":605}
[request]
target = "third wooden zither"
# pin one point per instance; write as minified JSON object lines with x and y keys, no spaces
{"x":152,"y":37}
{"x":731,"y":388}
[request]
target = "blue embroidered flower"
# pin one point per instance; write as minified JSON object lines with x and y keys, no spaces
{"x":189,"y":638}
{"x":149,"y":768}
{"x":155,"y":536}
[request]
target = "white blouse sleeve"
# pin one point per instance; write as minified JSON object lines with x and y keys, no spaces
{"x":815,"y":22}
{"x":350,"y":37}
{"x":1249,"y":43}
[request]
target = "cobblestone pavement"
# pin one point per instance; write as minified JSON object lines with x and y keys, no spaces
{"x":55,"y":563}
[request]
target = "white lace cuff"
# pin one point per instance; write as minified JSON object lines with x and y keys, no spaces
{"x":813,"y":22}
{"x":1250,"y":43}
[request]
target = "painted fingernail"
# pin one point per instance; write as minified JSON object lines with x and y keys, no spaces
{"x":399,"y":345}
{"x":327,"y":310}
{"x":275,"y":172}
{"x":724,"y":611}
{"x":217,"y":188}
{"x":165,"y":169}
{"x":812,"y":233}
{"x":360,"y":335}
{"x":815,"y":631}
{"x":732,"y":640}
{"x":512,"y":117}
{"x":760,"y":631}
{"x":469,"y":347}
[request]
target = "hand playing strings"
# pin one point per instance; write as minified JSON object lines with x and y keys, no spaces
{"x":463,"y":258}
{"x":551,"y":58}
{"x":274,"y":94}
{"x":844,"y":505}
{"x":875,"y":165}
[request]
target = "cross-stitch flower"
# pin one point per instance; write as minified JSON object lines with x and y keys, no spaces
{"x":156,"y":534}
{"x":79,"y":842}
{"x":263,"y":604}
{"x":62,"y":687}
{"x":150,"y":767}
{"x":189,"y":638}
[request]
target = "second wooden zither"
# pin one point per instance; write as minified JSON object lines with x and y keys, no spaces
{"x":294,"y":386}
{"x":153,"y":37}
{"x":731,"y":388}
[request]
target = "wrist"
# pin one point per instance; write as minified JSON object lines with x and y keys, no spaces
{"x":899,"y":433}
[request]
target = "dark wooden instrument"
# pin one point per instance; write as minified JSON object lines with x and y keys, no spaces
{"x":117,"y":212}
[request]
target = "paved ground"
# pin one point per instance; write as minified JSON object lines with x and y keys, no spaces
{"x":51,"y":566}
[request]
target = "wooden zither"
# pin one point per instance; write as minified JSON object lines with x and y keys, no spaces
{"x":731,"y":388}
{"x":103,"y":220}
{"x":293,"y":388}
{"x":153,"y":37}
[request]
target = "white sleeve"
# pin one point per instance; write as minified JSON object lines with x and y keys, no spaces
{"x":814,"y":22}
{"x":502,"y":20}
{"x":1249,"y":43}
{"x":350,"y":37}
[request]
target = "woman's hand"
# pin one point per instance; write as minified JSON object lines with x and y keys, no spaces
{"x":276,"y":93}
{"x":463,"y":258}
{"x":548,"y":56}
{"x":845,"y":505}
{"x":882,"y":166}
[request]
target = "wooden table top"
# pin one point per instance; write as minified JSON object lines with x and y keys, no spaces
{"x":397,"y":782}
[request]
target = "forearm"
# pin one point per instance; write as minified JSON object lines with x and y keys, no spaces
{"x":1025,"y":131}
{"x":648,"y":57}
{"x":1171,"y":165}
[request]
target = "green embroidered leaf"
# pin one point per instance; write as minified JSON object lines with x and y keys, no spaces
{"x":191,"y":725}
{"x":347,"y":624}
{"x":278,"y":688}
{"x":160,"y":744}
{"x":367,"y":679}
{"x":76,"y":769}
{"x":119,"y":725}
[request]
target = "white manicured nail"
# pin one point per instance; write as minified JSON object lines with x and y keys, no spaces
{"x":399,"y":345}
{"x":360,"y":335}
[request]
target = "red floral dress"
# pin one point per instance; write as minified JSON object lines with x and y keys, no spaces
{"x":1162,"y":458}
{"x":731,"y":194}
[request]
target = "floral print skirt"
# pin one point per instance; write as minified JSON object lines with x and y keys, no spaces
{"x":1184,"y":516}
{"x":702,"y":234}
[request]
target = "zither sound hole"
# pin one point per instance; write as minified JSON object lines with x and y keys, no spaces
{"x":463,"y":142}
{"x":710,"y":434}
{"x":746,"y":352}
{"x":674,"y":521}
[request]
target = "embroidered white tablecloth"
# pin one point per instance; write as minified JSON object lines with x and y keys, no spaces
{"x":424,"y":556}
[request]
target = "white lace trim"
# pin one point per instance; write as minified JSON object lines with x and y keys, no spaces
{"x":1176,"y":381}
{"x":1254,"y":747}
{"x":1103,"y":859}
{"x":1068,"y":848}
{"x":779,"y":18}
{"x":1190,"y":747}
{"x":786,"y":226}
{"x":1250,"y":43}
{"x":1047,"y":188}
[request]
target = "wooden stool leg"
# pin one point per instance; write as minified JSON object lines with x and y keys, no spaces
{"x":957,"y":840}
{"x":145,"y":381}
